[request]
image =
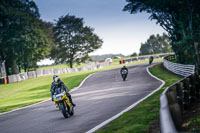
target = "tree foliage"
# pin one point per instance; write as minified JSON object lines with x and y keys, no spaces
{"x":23,"y":41}
{"x":74,"y":41}
{"x":155,"y":45}
{"x":134,"y":54}
{"x":180,"y":18}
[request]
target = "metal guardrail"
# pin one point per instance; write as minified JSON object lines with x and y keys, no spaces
{"x":178,"y":98}
{"x":166,"y":122}
{"x":180,"y":69}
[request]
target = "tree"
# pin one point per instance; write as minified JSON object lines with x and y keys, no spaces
{"x":74,"y":41}
{"x":155,"y":45}
{"x":180,"y":18}
{"x":23,"y":40}
{"x":134,"y":54}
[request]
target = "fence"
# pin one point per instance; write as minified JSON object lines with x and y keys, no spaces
{"x":180,"y":69}
{"x":45,"y":72}
{"x":176,"y":99}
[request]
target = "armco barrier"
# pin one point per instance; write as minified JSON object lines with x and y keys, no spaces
{"x":79,"y":69}
{"x":46,"y":72}
{"x":24,"y":76}
{"x":180,"y":69}
{"x":64,"y":70}
{"x":58,"y":71}
{"x":32,"y":74}
{"x":73,"y":70}
{"x":12,"y":79}
{"x":166,"y":122}
{"x":18,"y":77}
{"x":68,"y":70}
{"x":39,"y":73}
{"x":176,"y":99}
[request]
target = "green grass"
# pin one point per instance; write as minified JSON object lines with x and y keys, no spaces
{"x":60,"y":66}
{"x":139,"y":119}
{"x":194,"y":123}
{"x":20,"y":94}
{"x":30,"y":91}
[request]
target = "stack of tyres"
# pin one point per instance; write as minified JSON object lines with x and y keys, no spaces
{"x":3,"y":80}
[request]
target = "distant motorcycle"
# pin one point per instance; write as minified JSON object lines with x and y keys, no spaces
{"x":150,"y":60}
{"x":124,"y":74}
{"x":63,"y":103}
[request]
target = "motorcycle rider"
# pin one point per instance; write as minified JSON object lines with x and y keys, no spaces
{"x":58,"y":83}
{"x":150,"y":59}
{"x":122,"y":69}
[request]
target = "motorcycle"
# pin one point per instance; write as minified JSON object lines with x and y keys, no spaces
{"x":124,"y":74}
{"x":150,"y":60}
{"x":63,"y":103}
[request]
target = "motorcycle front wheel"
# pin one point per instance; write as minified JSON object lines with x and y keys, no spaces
{"x":63,"y":110}
{"x":124,"y":77}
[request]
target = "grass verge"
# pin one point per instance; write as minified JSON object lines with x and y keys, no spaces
{"x":140,"y":118}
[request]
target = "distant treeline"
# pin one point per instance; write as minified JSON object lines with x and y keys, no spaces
{"x":103,"y":57}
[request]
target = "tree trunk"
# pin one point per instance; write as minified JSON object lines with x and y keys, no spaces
{"x":197,"y":67}
{"x":71,"y":60}
{"x":190,"y":17}
{"x":71,"y":64}
{"x":15,"y":69}
{"x":1,"y":56}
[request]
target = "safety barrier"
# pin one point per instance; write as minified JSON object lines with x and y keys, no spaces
{"x":180,"y":69}
{"x":176,"y":99}
{"x":45,"y":72}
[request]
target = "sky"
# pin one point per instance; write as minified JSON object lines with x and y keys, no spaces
{"x":121,"y":32}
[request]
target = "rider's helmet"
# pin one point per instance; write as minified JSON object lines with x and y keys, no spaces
{"x":57,"y":81}
{"x":54,"y":76}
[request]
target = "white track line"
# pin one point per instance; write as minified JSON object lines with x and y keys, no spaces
{"x":76,"y":88}
{"x":130,"y":107}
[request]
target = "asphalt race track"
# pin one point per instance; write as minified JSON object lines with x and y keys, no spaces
{"x":102,"y":96}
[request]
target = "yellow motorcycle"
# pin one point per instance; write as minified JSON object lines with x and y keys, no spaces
{"x":63,"y":103}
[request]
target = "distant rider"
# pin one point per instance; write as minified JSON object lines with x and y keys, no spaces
{"x":150,"y":59}
{"x":58,"y":83}
{"x":124,"y":68}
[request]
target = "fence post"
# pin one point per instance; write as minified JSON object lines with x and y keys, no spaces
{"x":186,"y":93}
{"x":197,"y":84}
{"x":179,"y":91}
{"x":193,"y":88}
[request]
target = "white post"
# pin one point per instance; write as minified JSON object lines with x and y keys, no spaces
{"x":3,"y":69}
